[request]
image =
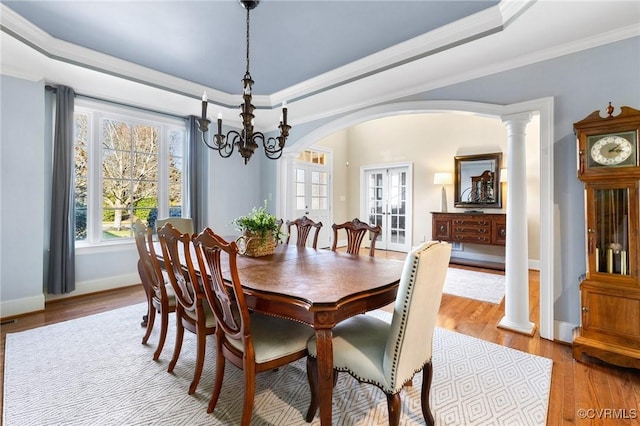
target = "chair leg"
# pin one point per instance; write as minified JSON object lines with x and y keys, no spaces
{"x":312,"y":376}
{"x":427,"y":377}
{"x":164,"y":324}
{"x":178,"y":348}
{"x":393,"y":404}
{"x":217,"y":386}
{"x":249,"y":392}
{"x":200,"y":350}
{"x":148,"y":322}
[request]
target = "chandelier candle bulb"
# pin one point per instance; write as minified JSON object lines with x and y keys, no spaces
{"x":204,"y":106}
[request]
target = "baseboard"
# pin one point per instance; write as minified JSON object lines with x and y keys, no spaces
{"x":563,"y":331}
{"x":94,"y":286}
{"x":25,"y":305}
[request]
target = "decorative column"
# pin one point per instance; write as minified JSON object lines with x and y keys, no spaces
{"x":516,"y":307}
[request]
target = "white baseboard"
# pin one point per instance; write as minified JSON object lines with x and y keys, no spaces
{"x":563,"y":331}
{"x":25,"y":305}
{"x":94,"y":286}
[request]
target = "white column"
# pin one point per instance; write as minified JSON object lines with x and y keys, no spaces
{"x":516,"y":308}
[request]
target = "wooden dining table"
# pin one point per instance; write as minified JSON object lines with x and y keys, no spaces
{"x":320,"y":288}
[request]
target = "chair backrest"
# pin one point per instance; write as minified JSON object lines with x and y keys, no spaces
{"x":410,"y":340}
{"x":303,"y":227}
{"x":228,"y":302}
{"x":177,"y":255}
{"x":182,"y":224}
{"x":356,"y":230}
{"x":149,"y":263}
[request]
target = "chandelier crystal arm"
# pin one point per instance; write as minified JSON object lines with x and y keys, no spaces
{"x":246,"y":140}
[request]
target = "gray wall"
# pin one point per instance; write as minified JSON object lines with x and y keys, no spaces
{"x":22,"y":191}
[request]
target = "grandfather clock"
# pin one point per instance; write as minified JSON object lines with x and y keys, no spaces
{"x":609,"y":166}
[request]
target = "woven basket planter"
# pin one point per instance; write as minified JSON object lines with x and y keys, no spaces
{"x":256,"y":246}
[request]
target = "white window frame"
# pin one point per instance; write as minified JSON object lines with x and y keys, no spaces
{"x":98,"y":111}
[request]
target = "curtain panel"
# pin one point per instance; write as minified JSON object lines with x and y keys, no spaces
{"x":61,"y":274}
{"x":197,"y":176}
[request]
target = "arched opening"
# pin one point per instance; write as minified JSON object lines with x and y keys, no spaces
{"x":542,"y":107}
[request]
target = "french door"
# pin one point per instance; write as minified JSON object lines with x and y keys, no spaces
{"x":387,"y":202}
{"x":312,"y":192}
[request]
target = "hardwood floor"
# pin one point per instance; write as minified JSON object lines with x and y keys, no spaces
{"x":606,"y":395}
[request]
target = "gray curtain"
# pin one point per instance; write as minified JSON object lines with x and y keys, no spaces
{"x":62,"y":277}
{"x":196,"y":178}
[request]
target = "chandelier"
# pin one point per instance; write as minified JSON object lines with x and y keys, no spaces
{"x":246,"y":140}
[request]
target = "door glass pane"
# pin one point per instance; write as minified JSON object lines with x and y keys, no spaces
{"x":612,"y":231}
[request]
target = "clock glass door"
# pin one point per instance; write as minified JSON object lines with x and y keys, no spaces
{"x":610,"y":239}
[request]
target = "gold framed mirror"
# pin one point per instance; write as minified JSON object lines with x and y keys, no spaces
{"x":477,"y":181}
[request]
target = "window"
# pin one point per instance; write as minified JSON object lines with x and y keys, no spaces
{"x":128,"y":165}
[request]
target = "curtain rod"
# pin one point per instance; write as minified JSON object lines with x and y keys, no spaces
{"x":54,"y":89}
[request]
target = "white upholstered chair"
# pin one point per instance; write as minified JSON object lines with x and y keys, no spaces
{"x":182,"y":224}
{"x":388,"y":355}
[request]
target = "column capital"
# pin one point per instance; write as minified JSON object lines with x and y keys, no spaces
{"x":516,"y":123}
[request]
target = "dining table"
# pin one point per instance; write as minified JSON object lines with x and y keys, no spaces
{"x":320,"y":288}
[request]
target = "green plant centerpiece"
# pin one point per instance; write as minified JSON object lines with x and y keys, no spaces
{"x":260,"y":232}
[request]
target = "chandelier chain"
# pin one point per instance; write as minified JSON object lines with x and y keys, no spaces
{"x":247,"y":40}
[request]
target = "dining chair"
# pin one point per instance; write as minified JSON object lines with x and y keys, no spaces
{"x":303,"y":227}
{"x":252,"y":341}
{"x":182,"y":224}
{"x":192,"y":309}
{"x":160,"y":294}
{"x":388,"y":355}
{"x":356,"y":230}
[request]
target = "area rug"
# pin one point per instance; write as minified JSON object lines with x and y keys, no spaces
{"x":474,"y":285}
{"x":95,"y":371}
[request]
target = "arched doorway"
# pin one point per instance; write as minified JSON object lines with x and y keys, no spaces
{"x":543,"y":107}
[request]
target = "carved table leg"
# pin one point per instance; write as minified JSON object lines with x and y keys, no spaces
{"x":324,"y":345}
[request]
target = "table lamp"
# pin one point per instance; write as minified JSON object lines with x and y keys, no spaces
{"x":444,"y":178}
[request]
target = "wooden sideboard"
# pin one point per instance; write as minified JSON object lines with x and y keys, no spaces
{"x":473,"y":228}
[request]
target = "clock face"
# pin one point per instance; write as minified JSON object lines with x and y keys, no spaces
{"x":612,"y":150}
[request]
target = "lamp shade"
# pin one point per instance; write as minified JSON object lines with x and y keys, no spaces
{"x":444,"y":178}
{"x":503,"y":175}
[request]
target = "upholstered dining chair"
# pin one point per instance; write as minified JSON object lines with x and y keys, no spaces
{"x":388,"y":355}
{"x":303,"y":227}
{"x":182,"y":224}
{"x":192,"y":309}
{"x":252,"y":342}
{"x":160,"y":295}
{"x":356,"y":231}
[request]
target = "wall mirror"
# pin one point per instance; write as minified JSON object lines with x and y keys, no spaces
{"x":477,"y":181}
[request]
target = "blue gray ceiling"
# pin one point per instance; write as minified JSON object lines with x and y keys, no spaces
{"x":204,"y":41}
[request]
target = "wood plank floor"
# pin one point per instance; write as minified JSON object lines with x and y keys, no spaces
{"x":581,"y":393}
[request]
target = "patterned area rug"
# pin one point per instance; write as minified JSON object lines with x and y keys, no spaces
{"x":94,"y":371}
{"x":475,"y":285}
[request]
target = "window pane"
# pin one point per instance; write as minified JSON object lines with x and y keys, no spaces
{"x":116,"y":135}
{"x":81,"y":155}
{"x":176,"y":167}
{"x":145,"y":139}
{"x":300,"y":203}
